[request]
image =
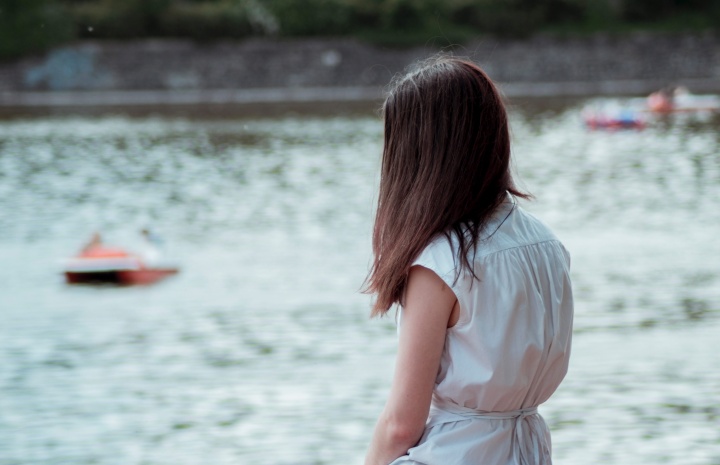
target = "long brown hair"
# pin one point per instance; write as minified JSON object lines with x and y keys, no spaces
{"x":445,"y":168}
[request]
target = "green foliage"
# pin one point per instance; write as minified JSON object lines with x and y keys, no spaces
{"x":110,"y":19}
{"x":366,"y":18}
{"x":123,"y":19}
{"x":32,"y":25}
{"x":414,"y":15}
{"x":311,"y":17}
{"x":204,"y":21}
{"x":659,"y":10}
{"x":197,"y":19}
{"x":515,"y":18}
{"x":412,"y":19}
{"x":29,"y":26}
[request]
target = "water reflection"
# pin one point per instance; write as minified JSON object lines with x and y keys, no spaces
{"x":260,"y":350}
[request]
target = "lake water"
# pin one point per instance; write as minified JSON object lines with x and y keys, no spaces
{"x":261,"y":352}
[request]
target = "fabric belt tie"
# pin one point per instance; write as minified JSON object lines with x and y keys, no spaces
{"x":529,"y":446}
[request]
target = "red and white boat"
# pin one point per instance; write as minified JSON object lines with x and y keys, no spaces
{"x":613,"y":119}
{"x":103,"y":264}
{"x":681,"y":101}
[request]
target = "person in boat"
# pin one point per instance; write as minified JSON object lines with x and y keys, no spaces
{"x":668,"y":99}
{"x":152,"y":247}
{"x":661,"y":101}
{"x":482,"y":288}
{"x":93,"y":244}
{"x":151,"y":237}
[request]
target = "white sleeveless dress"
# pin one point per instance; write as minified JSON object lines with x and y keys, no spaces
{"x":507,"y":353}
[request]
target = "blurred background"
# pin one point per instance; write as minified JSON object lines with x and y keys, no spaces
{"x":31,"y":25}
{"x":245,"y":136}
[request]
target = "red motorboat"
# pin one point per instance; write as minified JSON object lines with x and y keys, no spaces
{"x":613,"y":119}
{"x":680,"y":100}
{"x":611,"y":123}
{"x":103,"y":264}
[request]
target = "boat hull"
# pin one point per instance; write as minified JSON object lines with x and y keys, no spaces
{"x":614,"y":124}
{"x":141,"y":276}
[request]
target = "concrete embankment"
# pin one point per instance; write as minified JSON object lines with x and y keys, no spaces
{"x":176,"y":72}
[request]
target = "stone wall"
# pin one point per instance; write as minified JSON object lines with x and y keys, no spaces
{"x":542,"y":65}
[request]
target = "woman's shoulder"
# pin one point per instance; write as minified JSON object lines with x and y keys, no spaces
{"x":519,"y":228}
{"x":510,"y":227}
{"x":535,"y":228}
{"x":439,"y":255}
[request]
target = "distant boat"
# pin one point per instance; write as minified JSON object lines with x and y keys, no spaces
{"x":613,"y":119}
{"x":102,"y":264}
{"x":680,"y":100}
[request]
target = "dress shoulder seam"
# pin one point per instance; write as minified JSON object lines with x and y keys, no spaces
{"x":520,"y":246}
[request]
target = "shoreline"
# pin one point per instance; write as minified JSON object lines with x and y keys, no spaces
{"x":267,"y":71}
{"x":279,"y":95}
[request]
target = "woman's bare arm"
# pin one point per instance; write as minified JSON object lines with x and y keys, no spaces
{"x":428,"y":305}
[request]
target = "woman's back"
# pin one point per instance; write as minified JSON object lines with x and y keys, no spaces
{"x":509,"y":350}
{"x":487,"y":316}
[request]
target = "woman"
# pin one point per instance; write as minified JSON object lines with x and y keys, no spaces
{"x":484,"y":288}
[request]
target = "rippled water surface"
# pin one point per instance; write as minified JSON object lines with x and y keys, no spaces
{"x":260,"y":350}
